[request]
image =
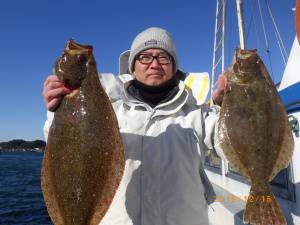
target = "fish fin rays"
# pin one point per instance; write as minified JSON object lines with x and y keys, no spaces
{"x":285,"y":154}
{"x":262,"y":208}
{"x":50,"y":197}
{"x":230,"y":152}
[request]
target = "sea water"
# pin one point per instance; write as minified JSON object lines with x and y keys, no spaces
{"x":21,"y":199}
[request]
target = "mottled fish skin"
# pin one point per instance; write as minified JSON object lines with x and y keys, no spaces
{"x":254,"y":133}
{"x":84,"y":157}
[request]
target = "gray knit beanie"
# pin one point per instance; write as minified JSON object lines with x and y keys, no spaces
{"x":153,"y":37}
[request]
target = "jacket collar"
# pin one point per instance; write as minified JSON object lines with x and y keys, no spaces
{"x":165,"y":108}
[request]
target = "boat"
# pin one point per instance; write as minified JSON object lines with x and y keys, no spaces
{"x":231,"y":188}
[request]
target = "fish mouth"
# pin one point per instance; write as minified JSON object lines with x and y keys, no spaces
{"x":245,"y":53}
{"x":74,"y":48}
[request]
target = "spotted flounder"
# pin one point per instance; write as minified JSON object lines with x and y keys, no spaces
{"x":84,"y":157}
{"x":254,"y":134}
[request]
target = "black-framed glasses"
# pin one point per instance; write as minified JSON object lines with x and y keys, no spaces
{"x":162,"y":59}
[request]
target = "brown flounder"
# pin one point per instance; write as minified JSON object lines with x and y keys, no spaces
{"x":254,"y":134}
{"x":84,"y":157}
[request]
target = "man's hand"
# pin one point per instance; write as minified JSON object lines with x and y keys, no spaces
{"x":53,"y":92}
{"x":221,"y":85}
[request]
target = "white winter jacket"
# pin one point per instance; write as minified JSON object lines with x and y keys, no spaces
{"x":164,"y":182}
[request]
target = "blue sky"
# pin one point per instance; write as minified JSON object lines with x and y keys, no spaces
{"x":33,"y":34}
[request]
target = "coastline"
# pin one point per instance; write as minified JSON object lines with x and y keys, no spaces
{"x":19,"y":145}
{"x":22,"y":150}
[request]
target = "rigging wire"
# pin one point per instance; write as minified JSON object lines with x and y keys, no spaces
{"x":219,"y":39}
{"x":229,"y":36}
{"x":263,"y":27}
{"x":256,"y":5}
{"x":256,"y":32}
{"x":278,"y":37}
{"x":266,"y":39}
{"x":251,"y":19}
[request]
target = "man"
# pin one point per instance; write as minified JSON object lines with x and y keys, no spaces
{"x":164,"y":133}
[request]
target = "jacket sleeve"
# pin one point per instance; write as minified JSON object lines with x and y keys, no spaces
{"x":47,"y":125}
{"x":113,"y":85}
{"x":211,"y":139}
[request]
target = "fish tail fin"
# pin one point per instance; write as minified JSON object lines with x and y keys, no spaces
{"x":262,"y":208}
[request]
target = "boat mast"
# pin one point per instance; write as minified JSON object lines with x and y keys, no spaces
{"x":239,"y":7}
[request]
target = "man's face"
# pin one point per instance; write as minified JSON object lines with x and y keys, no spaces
{"x":153,"y":73}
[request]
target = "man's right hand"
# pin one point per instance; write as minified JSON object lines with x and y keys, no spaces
{"x":219,"y":94}
{"x":53,"y":92}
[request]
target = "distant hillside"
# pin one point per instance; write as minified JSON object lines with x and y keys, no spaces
{"x":22,"y":145}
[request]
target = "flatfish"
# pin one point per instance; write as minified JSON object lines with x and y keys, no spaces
{"x":254,"y":134}
{"x":84,"y":156}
